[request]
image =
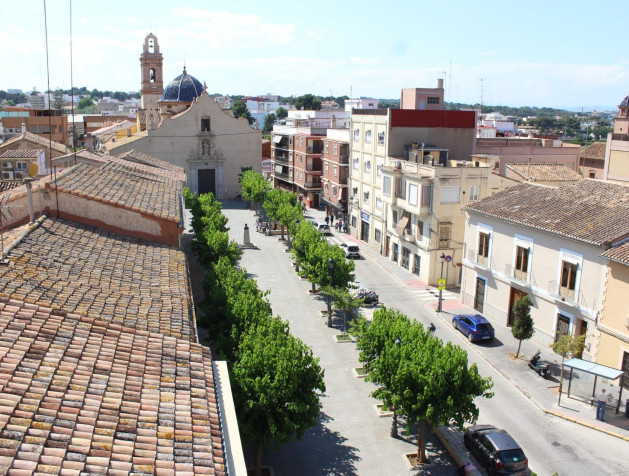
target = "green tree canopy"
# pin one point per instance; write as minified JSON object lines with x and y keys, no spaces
{"x":305,"y":237}
{"x":523,"y":326}
{"x":281,"y":113}
{"x":252,"y":184}
{"x":269,"y":120}
{"x":276,"y":383}
{"x":57,"y":100}
{"x":239,"y":108}
{"x":308,"y":102}
{"x":85,"y":103}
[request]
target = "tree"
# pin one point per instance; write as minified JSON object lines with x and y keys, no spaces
{"x":523,"y":326}
{"x":282,"y":206}
{"x":57,"y":100}
{"x":269,"y":120}
{"x":252,"y":184}
{"x":317,"y":268}
{"x":308,"y":102}
{"x":275,"y":384}
{"x":281,"y":113}
{"x":566,"y":345}
{"x":87,"y":106}
{"x":344,"y":300}
{"x":239,"y":108}
{"x":306,"y":236}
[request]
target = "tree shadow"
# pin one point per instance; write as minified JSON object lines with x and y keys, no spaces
{"x":234,"y":204}
{"x":320,"y":451}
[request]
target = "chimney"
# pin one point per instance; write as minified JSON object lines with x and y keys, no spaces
{"x":23,"y":128}
{"x":439,"y":83}
{"x":528,"y":170}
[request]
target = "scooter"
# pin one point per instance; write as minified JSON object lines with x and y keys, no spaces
{"x":541,"y":367}
{"x":368,"y":297}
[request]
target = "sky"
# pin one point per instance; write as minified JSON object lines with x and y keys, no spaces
{"x":558,"y":53}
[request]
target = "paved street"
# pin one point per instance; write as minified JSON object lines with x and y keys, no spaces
{"x":352,"y":439}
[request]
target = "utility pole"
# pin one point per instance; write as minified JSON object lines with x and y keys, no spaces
{"x":481,"y":94}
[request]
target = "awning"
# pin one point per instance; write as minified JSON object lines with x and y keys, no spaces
{"x":593,"y":368}
{"x":332,"y":204}
{"x":277,"y":139}
{"x":403,"y":223}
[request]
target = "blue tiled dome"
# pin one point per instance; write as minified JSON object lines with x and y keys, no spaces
{"x":625,"y":102}
{"x":184,"y":88}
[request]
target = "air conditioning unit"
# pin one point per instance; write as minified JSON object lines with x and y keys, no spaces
{"x":7,"y":165}
{"x":19,"y":175}
{"x":398,"y":164}
{"x":7,"y":175}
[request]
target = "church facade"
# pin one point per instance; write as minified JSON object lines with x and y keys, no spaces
{"x":191,"y":130}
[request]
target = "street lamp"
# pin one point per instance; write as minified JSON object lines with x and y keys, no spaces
{"x":331,"y":270}
{"x":443,"y":260}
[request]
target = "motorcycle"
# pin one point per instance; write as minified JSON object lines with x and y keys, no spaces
{"x":541,"y":367}
{"x":368,"y":297}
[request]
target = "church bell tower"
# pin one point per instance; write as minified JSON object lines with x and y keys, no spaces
{"x":152,"y":79}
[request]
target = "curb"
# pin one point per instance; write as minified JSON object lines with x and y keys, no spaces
{"x":586,"y":424}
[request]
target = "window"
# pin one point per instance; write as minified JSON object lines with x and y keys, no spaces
{"x":327,"y":168}
{"x":301,"y":142}
{"x":379,"y":170}
{"x":327,"y":148}
{"x":394,"y":215}
{"x":386,"y":186}
{"x":450,"y":194}
{"x":433,"y":100}
{"x":396,"y":252}
{"x":521,"y":263}
{"x":444,"y":235}
{"x":334,"y":190}
{"x":474,"y":191}
{"x":290,"y":140}
{"x":483,"y":247}
{"x":21,"y":165}
{"x":356,"y":134}
{"x":366,"y":198}
{"x":592,"y":174}
{"x":379,"y":203}
{"x":205,"y":124}
{"x":326,"y":188}
{"x":335,"y":170}
{"x":336,"y":149}
{"x":416,"y":264}
{"x":353,"y":222}
{"x":355,"y":191}
{"x":406,"y":255}
{"x":412,"y":193}
{"x":568,"y":283}
{"x":425,"y":195}
{"x":625,"y":369}
{"x":400,"y":188}
{"x":368,"y":136}
{"x":380,"y":138}
{"x":356,"y":163}
{"x":377,"y":235}
{"x":420,"y":229}
{"x":368,"y":166}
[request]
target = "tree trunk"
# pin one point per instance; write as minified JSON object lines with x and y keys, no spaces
{"x":518,"y":351}
{"x":421,"y":442}
{"x":394,"y":433}
{"x":313,"y":288}
{"x":257,"y":471}
{"x":282,"y":228}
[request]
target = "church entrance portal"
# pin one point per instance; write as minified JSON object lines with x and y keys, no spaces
{"x":206,"y":181}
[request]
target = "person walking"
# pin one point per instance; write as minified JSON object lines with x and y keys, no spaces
{"x":600,"y":408}
{"x":327,"y":219}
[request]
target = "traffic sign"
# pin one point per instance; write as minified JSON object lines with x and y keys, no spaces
{"x":448,"y":258}
{"x":441,"y":284}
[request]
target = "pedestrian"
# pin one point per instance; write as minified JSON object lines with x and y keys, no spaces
{"x":600,"y":408}
{"x":331,"y":219}
{"x":327,"y":219}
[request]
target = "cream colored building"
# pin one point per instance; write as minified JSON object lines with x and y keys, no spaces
{"x":613,"y":324}
{"x":544,"y":242}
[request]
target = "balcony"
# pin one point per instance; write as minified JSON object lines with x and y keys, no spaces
{"x":344,"y":160}
{"x":564,"y":294}
{"x":408,"y":236}
{"x":478,"y":260}
{"x":282,"y":176}
{"x":281,"y":158}
{"x":518,"y":275}
{"x":313,"y":184}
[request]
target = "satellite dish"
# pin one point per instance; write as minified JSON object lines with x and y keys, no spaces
{"x":33,"y":170}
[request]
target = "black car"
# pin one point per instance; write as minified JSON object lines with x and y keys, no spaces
{"x":495,"y":450}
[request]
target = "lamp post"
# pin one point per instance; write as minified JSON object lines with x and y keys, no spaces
{"x":331,"y":270}
{"x":443,"y":260}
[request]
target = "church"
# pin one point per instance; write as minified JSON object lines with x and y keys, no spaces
{"x":183,"y":125}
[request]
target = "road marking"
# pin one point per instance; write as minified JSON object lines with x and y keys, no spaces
{"x":433,"y":295}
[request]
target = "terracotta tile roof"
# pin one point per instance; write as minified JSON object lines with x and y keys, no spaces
{"x":594,"y":151}
{"x":9,"y":185}
{"x":126,"y":186}
{"x":82,"y":396}
{"x":139,"y":157}
{"x":545,"y":172}
{"x":35,"y":139}
{"x":21,"y":154}
{"x":112,"y":146}
{"x":86,"y":270}
{"x":619,"y":253}
{"x":588,"y":210}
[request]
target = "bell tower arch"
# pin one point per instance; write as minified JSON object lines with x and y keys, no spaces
{"x":151,"y":61}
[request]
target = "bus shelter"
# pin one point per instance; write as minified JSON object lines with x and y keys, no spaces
{"x":585,"y":380}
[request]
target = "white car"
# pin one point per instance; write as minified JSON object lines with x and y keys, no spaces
{"x":351,"y":250}
{"x":324,"y":228}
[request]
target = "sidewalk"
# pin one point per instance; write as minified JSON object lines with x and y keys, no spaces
{"x":543,"y":393}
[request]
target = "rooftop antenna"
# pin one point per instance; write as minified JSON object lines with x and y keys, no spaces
{"x":445,"y":75}
{"x":449,"y":79}
{"x":481,"y":94}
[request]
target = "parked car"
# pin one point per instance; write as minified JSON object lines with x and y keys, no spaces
{"x":351,"y":250}
{"x":474,"y":326}
{"x":496,"y":450}
{"x":323,"y":227}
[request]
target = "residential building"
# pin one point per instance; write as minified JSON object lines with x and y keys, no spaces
{"x":613,"y":348}
{"x":515,"y":150}
{"x":547,"y":243}
{"x":616,"y":167}
{"x":50,"y":124}
{"x":551,"y":175}
{"x":28,"y":141}
{"x":307,"y":167}
{"x":16,"y":163}
{"x":592,"y":160}
{"x":335,"y":176}
{"x":361,"y":104}
{"x":430,"y":99}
